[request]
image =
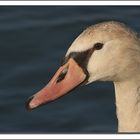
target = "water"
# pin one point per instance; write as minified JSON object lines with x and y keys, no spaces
{"x":33,"y":40}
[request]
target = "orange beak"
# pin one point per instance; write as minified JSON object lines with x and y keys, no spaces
{"x":65,"y":79}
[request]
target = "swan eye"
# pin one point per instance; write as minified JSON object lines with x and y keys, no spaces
{"x":98,"y":46}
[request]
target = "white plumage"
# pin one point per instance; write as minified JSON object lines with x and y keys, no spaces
{"x":117,"y":61}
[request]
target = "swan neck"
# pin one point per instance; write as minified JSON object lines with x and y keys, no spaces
{"x":128,"y":105}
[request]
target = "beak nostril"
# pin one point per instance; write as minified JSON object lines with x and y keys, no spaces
{"x":62,"y":75}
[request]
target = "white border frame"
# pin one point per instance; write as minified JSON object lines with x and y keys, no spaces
{"x":72,"y":3}
{"x":70,"y":136}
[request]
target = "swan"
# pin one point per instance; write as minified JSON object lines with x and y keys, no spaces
{"x":107,"y":51}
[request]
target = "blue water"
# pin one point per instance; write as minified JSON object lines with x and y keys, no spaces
{"x":33,"y":41}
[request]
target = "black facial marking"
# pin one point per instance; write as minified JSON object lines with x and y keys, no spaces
{"x":81,"y":59}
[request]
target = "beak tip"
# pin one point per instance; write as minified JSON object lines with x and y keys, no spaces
{"x":27,"y":103}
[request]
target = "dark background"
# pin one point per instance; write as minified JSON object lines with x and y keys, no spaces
{"x":33,"y":41}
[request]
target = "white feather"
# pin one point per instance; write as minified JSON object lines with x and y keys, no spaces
{"x":117,"y":61}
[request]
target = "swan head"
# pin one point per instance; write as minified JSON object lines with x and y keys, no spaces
{"x":109,"y":49}
{"x":104,"y":52}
